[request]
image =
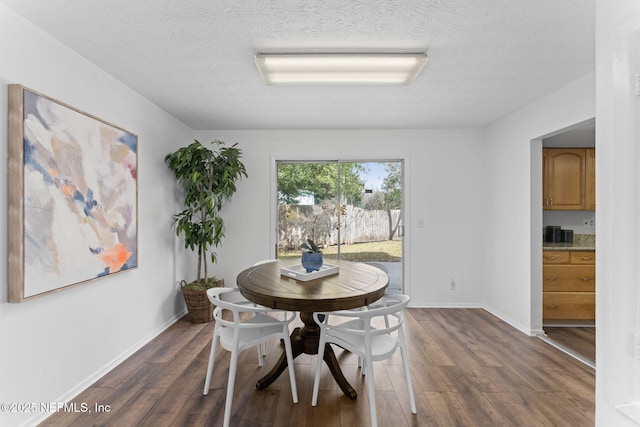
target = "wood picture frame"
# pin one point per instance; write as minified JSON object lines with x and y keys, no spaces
{"x":73,"y":196}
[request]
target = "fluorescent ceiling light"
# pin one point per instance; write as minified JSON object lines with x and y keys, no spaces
{"x":340,"y":69}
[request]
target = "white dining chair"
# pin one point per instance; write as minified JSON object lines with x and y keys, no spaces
{"x":265,"y":261}
{"x":236,"y":334}
{"x":262,"y":348}
{"x":372,"y":334}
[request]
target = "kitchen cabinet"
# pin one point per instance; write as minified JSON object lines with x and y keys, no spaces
{"x":568,"y":285}
{"x":568,"y":179}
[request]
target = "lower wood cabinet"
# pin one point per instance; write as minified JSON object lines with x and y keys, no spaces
{"x":568,"y":285}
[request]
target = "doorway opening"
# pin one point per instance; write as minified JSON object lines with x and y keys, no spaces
{"x":353,"y":210}
{"x":563,"y":239}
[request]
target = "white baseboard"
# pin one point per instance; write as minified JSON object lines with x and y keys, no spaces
{"x":446,"y":305}
{"x":499,"y":315}
{"x":519,"y":326}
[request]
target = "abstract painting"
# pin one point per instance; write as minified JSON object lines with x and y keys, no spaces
{"x":72,"y":196}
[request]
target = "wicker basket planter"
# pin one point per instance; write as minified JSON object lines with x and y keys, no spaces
{"x":198,"y":305}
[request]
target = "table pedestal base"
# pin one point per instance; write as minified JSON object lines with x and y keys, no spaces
{"x":305,"y":341}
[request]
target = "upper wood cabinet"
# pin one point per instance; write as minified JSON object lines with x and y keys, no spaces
{"x":568,"y":179}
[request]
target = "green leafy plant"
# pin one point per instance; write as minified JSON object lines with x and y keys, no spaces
{"x":310,"y":247}
{"x":208,"y":179}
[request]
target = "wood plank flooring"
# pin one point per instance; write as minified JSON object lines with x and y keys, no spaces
{"x":468,"y":369}
{"x":580,"y":340}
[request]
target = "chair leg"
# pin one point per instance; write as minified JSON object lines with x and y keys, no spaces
{"x":371,"y":391}
{"x":260,"y":354}
{"x":292,"y":373}
{"x":212,"y":359}
{"x":230,"y":386}
{"x":319,"y":359}
{"x":407,"y":378}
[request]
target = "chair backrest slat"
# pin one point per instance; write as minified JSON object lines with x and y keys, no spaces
{"x":390,"y":309}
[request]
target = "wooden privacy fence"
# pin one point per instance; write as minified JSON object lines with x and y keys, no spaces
{"x":326,"y":223}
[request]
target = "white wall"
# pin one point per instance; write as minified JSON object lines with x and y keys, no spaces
{"x":445,"y":183}
{"x":617,"y":192}
{"x":513,"y":263}
{"x":54,"y":345}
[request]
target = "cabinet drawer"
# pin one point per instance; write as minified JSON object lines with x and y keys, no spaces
{"x":583,"y":257}
{"x":574,"y":278}
{"x":569,"y":305}
{"x":555,"y":257}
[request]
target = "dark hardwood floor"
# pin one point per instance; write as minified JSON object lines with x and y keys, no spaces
{"x":579,"y":340}
{"x":468,"y":369}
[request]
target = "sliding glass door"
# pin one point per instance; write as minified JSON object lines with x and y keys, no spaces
{"x":354,"y":210}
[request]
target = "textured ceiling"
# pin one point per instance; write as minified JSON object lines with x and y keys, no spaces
{"x":194,"y":58}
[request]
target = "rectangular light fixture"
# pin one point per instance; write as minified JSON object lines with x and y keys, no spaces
{"x":340,"y":68}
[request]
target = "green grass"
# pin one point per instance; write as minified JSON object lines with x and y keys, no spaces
{"x":384,"y":251}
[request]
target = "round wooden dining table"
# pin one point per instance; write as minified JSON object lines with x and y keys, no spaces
{"x":355,"y":285}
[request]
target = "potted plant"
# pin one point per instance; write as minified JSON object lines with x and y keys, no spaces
{"x":207,"y":178}
{"x":311,"y":256}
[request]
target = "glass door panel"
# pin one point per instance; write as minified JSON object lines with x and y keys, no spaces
{"x":371,"y":223}
{"x":353,"y":210}
{"x":307,"y":196}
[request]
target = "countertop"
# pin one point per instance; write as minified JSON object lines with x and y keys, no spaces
{"x":566,"y":247}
